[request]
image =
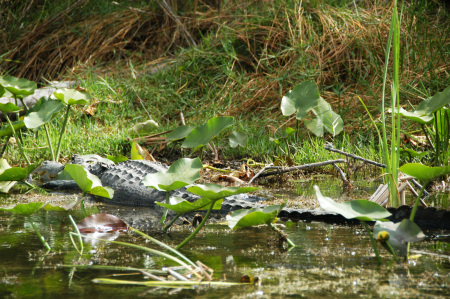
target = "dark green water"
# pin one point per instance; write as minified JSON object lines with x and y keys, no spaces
{"x":329,"y":262}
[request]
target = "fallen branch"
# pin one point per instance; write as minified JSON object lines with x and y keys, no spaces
{"x":281,"y":169}
{"x":332,"y":149}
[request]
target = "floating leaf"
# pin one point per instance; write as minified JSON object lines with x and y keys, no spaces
{"x":72,"y":96}
{"x":362,"y":209}
{"x":182,"y":206}
{"x":302,"y":99}
{"x":215,"y":191}
{"x":201,"y":135}
{"x":423,"y":172}
{"x":88,"y":182}
{"x":24,"y":209}
{"x":237,"y":138}
{"x":251,"y":217}
{"x":101,"y":222}
{"x":42,"y":112}
{"x":400,"y":233}
{"x":181,"y":173}
{"x":18,"y":87}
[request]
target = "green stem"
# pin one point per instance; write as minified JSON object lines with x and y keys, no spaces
{"x":63,"y":129}
{"x":199,"y":227}
{"x":171,"y":222}
{"x":164,"y":245}
{"x":80,"y":239}
{"x":416,"y":204}
{"x":425,"y":131}
{"x":392,"y":251}
{"x":5,"y":146}
{"x":50,"y":147}
{"x":282,"y":234}
{"x":38,"y":233}
{"x":436,"y":158}
{"x":17,"y":139}
{"x":164,"y":215}
{"x":374,"y":244}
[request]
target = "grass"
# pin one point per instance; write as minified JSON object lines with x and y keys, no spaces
{"x":248,"y":56}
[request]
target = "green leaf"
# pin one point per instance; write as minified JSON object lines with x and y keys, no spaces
{"x":87,"y":181}
{"x":72,"y":96}
{"x":117,"y":159}
{"x":255,"y":216}
{"x":42,"y":112}
{"x":412,"y":153}
{"x":135,"y":152}
{"x":215,"y":191}
{"x":2,"y":90}
{"x":423,"y":172}
{"x":400,"y":233}
{"x":302,"y":99}
{"x":434,"y":103}
{"x":181,"y":173}
{"x":9,"y":108}
{"x":6,"y":185}
{"x":362,"y":209}
{"x":415,"y":116}
{"x":201,"y":135}
{"x":18,"y":87}
{"x":326,"y":119}
{"x":179,"y":133}
{"x":7,"y":131}
{"x":144,"y":127}
{"x":50,"y":207}
{"x":17,"y":173}
{"x":181,"y":206}
{"x":238,"y":139}
{"x":24,"y":209}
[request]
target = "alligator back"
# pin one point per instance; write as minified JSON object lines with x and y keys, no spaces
{"x":126,"y":180}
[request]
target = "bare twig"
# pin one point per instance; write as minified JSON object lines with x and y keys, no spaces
{"x":260,"y":172}
{"x":281,"y":169}
{"x":329,"y":148}
{"x":341,"y":173}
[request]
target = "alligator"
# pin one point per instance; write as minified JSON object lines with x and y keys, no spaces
{"x":126,"y":180}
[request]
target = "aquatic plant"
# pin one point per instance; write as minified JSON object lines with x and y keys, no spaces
{"x":181,"y":173}
{"x":212,"y":198}
{"x":9,"y":176}
{"x":27,"y":210}
{"x":365,"y":210}
{"x":258,"y":216}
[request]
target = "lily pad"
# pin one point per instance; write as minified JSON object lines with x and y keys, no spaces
{"x":326,"y":120}
{"x":9,"y":108}
{"x":201,"y":135}
{"x":302,"y":99}
{"x":251,"y":217}
{"x":423,"y":172}
{"x":179,"y":133}
{"x":24,"y":209}
{"x":18,"y":87}
{"x":72,"y":96}
{"x":181,"y":173}
{"x":88,"y":182}
{"x":7,"y":131}
{"x":42,"y":112}
{"x":17,"y":173}
{"x":101,"y":222}
{"x":5,"y":186}
{"x":182,"y":206}
{"x":362,"y":209}
{"x":238,"y":139}
{"x":215,"y":191}
{"x":400,"y":233}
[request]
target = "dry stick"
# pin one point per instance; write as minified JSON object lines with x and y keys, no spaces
{"x":354,"y":156}
{"x":341,"y":173}
{"x":281,"y":169}
{"x":151,"y":136}
{"x":329,"y":148}
{"x":171,"y":14}
{"x":260,"y":172}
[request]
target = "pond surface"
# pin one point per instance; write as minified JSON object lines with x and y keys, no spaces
{"x":330,"y":261}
